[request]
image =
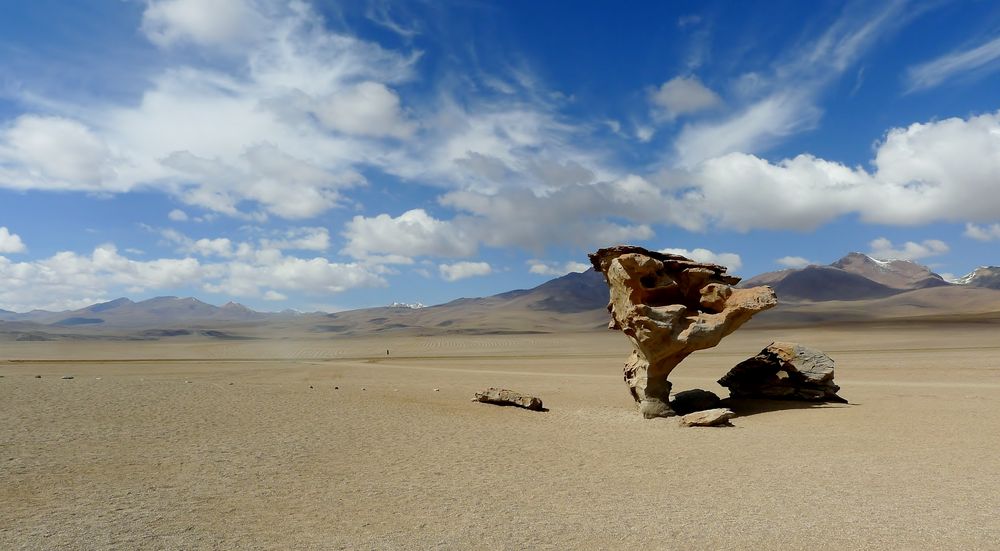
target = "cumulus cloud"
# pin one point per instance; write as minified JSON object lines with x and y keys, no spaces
{"x":57,"y":282}
{"x":556,"y":268}
{"x":413,"y":233}
{"x":683,"y":96}
{"x":793,"y":262}
{"x":283,"y":127}
{"x":911,"y":250}
{"x":729,"y":260}
{"x":982,"y":58}
{"x":989,"y":232}
{"x":52,"y":153}
{"x":462,"y":270}
{"x":215,"y":23}
{"x":10,"y":242}
{"x":177,"y":215}
{"x":306,"y":239}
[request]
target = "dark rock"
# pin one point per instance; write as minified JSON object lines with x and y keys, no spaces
{"x":67,"y":376}
{"x":787,"y":371}
{"x":504,"y":397}
{"x":696,"y":399}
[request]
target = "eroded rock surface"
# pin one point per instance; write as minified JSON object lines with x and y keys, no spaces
{"x":504,"y":397}
{"x":670,"y":306}
{"x":784,"y":370}
{"x":708,"y":418}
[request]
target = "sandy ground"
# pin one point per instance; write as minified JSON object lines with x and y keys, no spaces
{"x":251,"y":445}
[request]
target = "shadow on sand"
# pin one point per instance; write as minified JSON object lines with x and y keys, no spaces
{"x":744,"y":407}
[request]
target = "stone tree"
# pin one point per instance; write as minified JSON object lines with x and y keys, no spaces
{"x":669,"y":306}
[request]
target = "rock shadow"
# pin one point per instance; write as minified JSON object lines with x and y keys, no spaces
{"x":745,"y":407}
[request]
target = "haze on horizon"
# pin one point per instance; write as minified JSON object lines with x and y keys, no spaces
{"x":319,"y":155}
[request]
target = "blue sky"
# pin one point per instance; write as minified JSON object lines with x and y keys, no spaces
{"x":328,"y":155}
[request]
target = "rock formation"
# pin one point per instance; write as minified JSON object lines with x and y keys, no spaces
{"x":787,"y":371}
{"x":669,"y":306}
{"x":504,"y":397}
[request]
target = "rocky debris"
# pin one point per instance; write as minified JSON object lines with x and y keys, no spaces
{"x":504,"y":397}
{"x":38,"y":376}
{"x":696,"y":399}
{"x":67,"y":377}
{"x":708,"y":418}
{"x":670,"y":306}
{"x":784,"y":370}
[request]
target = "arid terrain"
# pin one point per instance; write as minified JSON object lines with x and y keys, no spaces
{"x":321,"y":442}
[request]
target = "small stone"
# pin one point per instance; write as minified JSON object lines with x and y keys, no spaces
{"x":38,"y":376}
{"x":708,"y":418}
{"x":67,"y":377}
{"x":334,"y":388}
{"x":310,"y":386}
{"x":363,"y":388}
{"x":187,"y":381}
{"x":437,"y":390}
{"x":230,"y":383}
{"x":97,"y":378}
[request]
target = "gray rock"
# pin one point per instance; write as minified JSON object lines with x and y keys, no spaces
{"x":708,"y":418}
{"x":696,"y":399}
{"x":504,"y":397}
{"x":67,"y":376}
{"x":786,"y":371}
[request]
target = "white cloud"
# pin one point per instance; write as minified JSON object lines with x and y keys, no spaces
{"x":413,"y":233}
{"x":729,"y":260}
{"x":556,"y":268}
{"x":10,"y":242}
{"x":884,"y":249}
{"x":203,"y":22}
{"x":794,"y":262}
{"x":683,"y":96}
{"x":71,"y":280}
{"x":982,"y":58}
{"x":243,"y":138}
{"x":462,"y":270}
{"x":177,"y":215}
{"x":365,"y":109}
{"x":941,"y":171}
{"x":52,"y":153}
{"x":983,"y":233}
{"x":274,"y":296}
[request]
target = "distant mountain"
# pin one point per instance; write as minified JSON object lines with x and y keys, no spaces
{"x":123,"y":312}
{"x":854,"y":277}
{"x":896,"y":274}
{"x":984,"y":276}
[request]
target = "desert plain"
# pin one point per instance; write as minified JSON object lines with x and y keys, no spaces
{"x":305,"y":441}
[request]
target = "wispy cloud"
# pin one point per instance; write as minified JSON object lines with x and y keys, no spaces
{"x":982,"y":59}
{"x":785,"y":101}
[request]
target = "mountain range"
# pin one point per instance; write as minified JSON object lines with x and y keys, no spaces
{"x":855,"y":287}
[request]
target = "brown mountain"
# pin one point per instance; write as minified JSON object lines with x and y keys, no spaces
{"x":896,"y":274}
{"x":854,"y":277}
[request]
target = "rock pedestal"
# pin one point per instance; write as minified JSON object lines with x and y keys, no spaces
{"x":670,"y":306}
{"x":787,"y":371}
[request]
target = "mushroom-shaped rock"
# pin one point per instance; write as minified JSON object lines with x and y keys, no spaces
{"x":787,"y":371}
{"x":670,"y":306}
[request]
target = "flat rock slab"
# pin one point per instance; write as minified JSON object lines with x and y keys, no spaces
{"x":504,"y":397}
{"x":708,"y":418}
